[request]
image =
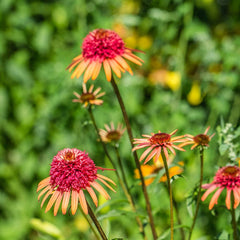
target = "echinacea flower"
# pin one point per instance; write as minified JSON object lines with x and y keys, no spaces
{"x":198,"y":140}
{"x":103,"y":47}
{"x":89,"y":96}
{"x":111,"y":134}
{"x":226,"y":177}
{"x":148,"y":170}
{"x":72,"y":172}
{"x":156,"y":143}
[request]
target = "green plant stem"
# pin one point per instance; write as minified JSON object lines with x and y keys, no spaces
{"x":199,"y":193}
{"x":122,"y":183}
{"x":170,"y":192}
{"x":129,"y":131}
{"x":175,"y":207}
{"x":97,"y":224}
{"x":91,"y":225}
{"x":127,"y":193}
{"x":234,"y":224}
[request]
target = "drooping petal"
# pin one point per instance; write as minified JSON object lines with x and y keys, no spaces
{"x":43,"y":191}
{"x":107,"y":70}
{"x":83,"y":202}
{"x":74,"y":201}
{"x":100,"y":189}
{"x":236,"y":198}
{"x":57,"y":204}
{"x":93,"y":195}
{"x":106,"y":184}
{"x":52,"y":200}
{"x":106,"y":178}
{"x":46,"y":196}
{"x":145,"y":153}
{"x":66,"y":197}
{"x":228,"y":198}
{"x":211,"y":189}
{"x":215,"y":198}
{"x":43,"y":183}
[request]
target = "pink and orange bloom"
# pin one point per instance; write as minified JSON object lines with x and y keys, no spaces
{"x":228,"y":178}
{"x":89,"y":97}
{"x":157,"y":143}
{"x":111,"y":134}
{"x":72,"y":172}
{"x":103,"y":47}
{"x":199,"y":140}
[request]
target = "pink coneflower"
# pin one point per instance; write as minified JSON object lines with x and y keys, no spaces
{"x":226,"y":177}
{"x":72,"y":172}
{"x":198,"y":140}
{"x":156,"y":143}
{"x":111,"y":134}
{"x":103,"y":47}
{"x":89,"y":96}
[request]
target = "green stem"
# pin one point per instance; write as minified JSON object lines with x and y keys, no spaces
{"x":128,"y":194}
{"x":234,"y":224}
{"x":91,"y":225}
{"x":97,"y":224}
{"x":123,"y":185}
{"x":169,"y":190}
{"x":129,"y":131}
{"x":175,"y":207}
{"x":199,"y":193}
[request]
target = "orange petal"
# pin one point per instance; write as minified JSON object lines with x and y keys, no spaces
{"x":66,"y":197}
{"x":52,"y":200}
{"x":132,"y":59}
{"x":46,"y":196}
{"x":124,"y":64}
{"x":107,"y":70}
{"x":96,"y":70}
{"x":93,"y":195}
{"x":100,"y":189}
{"x":89,"y":71}
{"x":43,"y":183}
{"x":83,"y":202}
{"x":74,"y":201}
{"x":152,"y":154}
{"x":145,"y":153}
{"x":115,"y":68}
{"x":228,"y":198}
{"x":43,"y":191}
{"x":101,"y":180}
{"x":215,"y":198}
{"x":106,"y":178}
{"x":236,"y":198}
{"x":210,"y":189}
{"x":57,"y":204}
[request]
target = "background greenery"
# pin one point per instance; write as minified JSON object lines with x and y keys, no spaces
{"x":195,"y":43}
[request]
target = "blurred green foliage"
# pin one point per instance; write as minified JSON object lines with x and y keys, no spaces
{"x":38,"y":39}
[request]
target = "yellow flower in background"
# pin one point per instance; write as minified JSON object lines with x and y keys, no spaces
{"x":158,"y":165}
{"x":173,"y":80}
{"x":145,"y":42}
{"x":130,"y":7}
{"x":194,"y":96}
{"x":131,"y":40}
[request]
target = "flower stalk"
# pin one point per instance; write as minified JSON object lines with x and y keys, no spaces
{"x":129,"y":131}
{"x":123,"y":182}
{"x":97,"y":224}
{"x":170,"y":192}
{"x":234,"y":224}
{"x":199,"y":192}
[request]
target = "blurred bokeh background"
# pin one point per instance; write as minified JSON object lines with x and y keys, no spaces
{"x":190,"y":80}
